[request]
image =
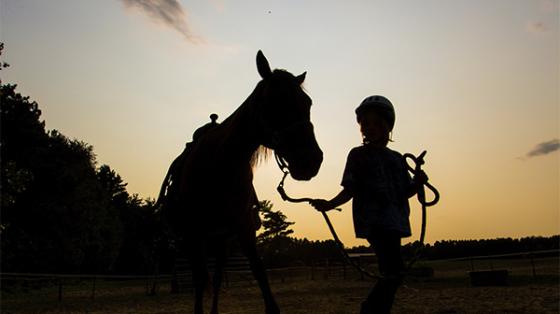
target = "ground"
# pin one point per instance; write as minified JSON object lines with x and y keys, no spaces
{"x":307,"y":296}
{"x":530,"y":289}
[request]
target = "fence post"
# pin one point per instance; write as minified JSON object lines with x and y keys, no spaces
{"x":328,"y":268}
{"x":226,"y":277}
{"x":175,"y":283}
{"x":93,"y":288}
{"x":533,"y":264}
{"x":59,"y":289}
{"x":155,"y":286}
{"x":155,"y":278}
{"x":360,"y":265}
{"x":147,"y":287}
{"x":312,"y":270}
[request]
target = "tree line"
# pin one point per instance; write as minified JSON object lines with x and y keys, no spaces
{"x":60,"y":212}
{"x":467,"y":248}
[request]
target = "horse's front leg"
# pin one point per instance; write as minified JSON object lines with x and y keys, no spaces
{"x":248,"y":243}
{"x":200,"y":279}
{"x":221,"y":259}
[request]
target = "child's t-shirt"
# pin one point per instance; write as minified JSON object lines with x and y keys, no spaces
{"x":379,"y":182}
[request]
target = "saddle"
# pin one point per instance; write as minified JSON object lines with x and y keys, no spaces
{"x":167,"y":203}
{"x":169,"y":194}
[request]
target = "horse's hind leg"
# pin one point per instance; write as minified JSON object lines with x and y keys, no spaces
{"x":200,"y":279}
{"x":249,"y":245}
{"x":221,"y":259}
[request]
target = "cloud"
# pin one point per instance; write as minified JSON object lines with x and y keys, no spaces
{"x":219,"y":5}
{"x":167,"y":12}
{"x":547,"y":9}
{"x":537,"y":27}
{"x":544,"y":148}
{"x":548,"y":6}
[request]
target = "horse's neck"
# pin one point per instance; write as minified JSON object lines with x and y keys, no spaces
{"x":241,"y":130}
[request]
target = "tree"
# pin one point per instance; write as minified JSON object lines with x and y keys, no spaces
{"x":58,"y":212}
{"x":21,"y":135}
{"x":274,"y":242}
{"x":55,"y":214}
{"x":3,"y":65}
{"x":140,"y":227}
{"x":112,"y":183}
{"x":275,"y":223}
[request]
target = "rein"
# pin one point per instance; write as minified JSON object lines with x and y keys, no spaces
{"x":418,"y":161}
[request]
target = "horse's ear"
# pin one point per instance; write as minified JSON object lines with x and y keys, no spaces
{"x":262,"y":65}
{"x":300,"y":78}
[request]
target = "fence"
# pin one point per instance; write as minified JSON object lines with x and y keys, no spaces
{"x":88,"y":283}
{"x":182,"y":277}
{"x":530,"y":264}
{"x":527,"y":262}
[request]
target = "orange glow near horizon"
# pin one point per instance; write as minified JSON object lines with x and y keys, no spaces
{"x":475,"y":83}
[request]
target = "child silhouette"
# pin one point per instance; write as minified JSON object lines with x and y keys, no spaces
{"x":377,"y":181}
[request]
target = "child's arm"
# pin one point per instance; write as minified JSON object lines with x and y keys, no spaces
{"x":324,"y":205}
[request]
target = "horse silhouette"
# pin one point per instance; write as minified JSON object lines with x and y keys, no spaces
{"x":213,"y":195}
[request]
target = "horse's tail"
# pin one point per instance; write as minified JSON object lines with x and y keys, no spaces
{"x":171,"y":178}
{"x":163,"y":189}
{"x":164,"y":207}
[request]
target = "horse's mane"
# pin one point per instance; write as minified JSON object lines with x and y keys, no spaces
{"x":280,"y":74}
{"x":261,"y":154}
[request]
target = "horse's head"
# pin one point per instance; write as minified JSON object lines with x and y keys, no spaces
{"x":284,"y":110}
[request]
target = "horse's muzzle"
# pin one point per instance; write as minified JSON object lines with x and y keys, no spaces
{"x":305,"y":164}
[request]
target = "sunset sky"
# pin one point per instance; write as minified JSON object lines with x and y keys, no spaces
{"x":475,"y":83}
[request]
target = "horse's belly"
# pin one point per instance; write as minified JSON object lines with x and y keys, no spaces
{"x":212,"y":221}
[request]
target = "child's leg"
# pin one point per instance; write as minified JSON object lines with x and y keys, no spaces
{"x":387,"y":247}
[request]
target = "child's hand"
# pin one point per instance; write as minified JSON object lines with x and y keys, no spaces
{"x":420,"y":178}
{"x":321,"y":205}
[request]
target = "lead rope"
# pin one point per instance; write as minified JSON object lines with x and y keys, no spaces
{"x":421,"y":196}
{"x":419,"y":161}
{"x":339,"y":243}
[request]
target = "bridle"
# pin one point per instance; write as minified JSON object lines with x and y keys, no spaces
{"x":278,"y":138}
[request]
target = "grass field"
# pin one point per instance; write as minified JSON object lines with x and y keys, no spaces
{"x":449,"y":291}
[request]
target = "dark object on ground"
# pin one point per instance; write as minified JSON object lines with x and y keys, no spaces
{"x":496,"y":277}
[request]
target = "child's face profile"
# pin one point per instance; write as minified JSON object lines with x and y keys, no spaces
{"x":373,"y":127}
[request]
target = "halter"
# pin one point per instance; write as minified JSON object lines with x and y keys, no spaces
{"x":275,"y":137}
{"x":419,"y":161}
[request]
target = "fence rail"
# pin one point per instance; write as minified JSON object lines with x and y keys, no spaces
{"x":498,"y":256}
{"x":321,"y":270}
{"x":78,"y":276}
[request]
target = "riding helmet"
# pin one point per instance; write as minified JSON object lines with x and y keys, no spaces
{"x":379,"y":104}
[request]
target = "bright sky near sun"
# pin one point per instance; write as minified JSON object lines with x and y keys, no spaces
{"x":474,"y":82}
